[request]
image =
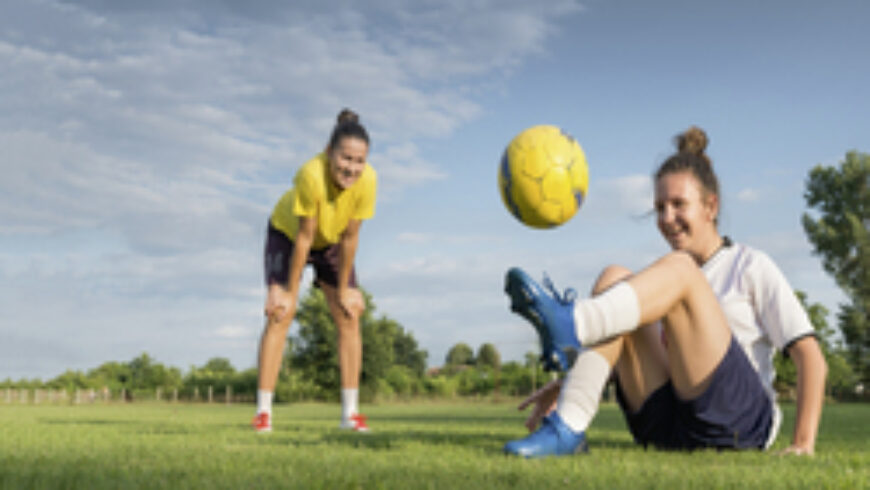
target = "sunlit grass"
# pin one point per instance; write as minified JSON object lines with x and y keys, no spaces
{"x":414,"y":445}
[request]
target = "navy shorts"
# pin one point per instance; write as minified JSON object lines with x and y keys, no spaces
{"x":279,"y":251}
{"x":734,"y":412}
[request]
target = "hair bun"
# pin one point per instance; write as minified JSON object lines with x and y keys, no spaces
{"x":347,"y":116}
{"x":693,"y":140}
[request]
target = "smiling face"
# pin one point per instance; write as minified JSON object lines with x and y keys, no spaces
{"x":686,"y":216}
{"x":347,"y":159}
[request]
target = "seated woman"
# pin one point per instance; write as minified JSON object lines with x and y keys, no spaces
{"x":690,"y":338}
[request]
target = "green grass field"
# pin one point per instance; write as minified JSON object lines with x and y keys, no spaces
{"x":415,"y":445}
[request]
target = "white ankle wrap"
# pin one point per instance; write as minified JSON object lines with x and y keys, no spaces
{"x":581,"y":390}
{"x":614,"y":312}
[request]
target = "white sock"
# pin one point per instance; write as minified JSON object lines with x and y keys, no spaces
{"x":581,"y":390}
{"x":264,"y":402}
{"x":349,"y":402}
{"x":615,"y":311}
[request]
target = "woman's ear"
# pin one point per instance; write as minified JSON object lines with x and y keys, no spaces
{"x":712,"y":206}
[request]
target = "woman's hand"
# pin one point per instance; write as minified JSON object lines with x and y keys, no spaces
{"x":545,"y":402}
{"x":798,"y":450}
{"x":279,"y":303}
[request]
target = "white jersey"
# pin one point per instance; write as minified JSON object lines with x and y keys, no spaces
{"x":761,"y":308}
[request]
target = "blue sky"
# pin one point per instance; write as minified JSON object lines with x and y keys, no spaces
{"x":142,"y":147}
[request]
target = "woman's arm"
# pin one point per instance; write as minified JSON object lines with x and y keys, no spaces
{"x":811,"y":373}
{"x":301,"y":248}
{"x":281,"y":300}
{"x":544,"y":401}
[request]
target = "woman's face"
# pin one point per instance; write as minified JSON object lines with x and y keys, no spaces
{"x":347,"y":160}
{"x":686,"y":218}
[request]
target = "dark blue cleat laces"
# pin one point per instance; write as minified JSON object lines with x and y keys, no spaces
{"x":550,"y":313}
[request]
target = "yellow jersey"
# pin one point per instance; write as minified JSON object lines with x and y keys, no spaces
{"x":314,"y":194}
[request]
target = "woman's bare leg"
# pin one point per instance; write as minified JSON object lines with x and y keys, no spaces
{"x":271,"y":352}
{"x":349,"y":336}
{"x":675,"y":290}
{"x":639,"y":357}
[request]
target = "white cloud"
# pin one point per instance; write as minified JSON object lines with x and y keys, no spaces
{"x":147,"y":102}
{"x":236,"y":332}
{"x":401,"y":166}
{"x":618,"y":198}
{"x":142,"y":147}
{"x":749,"y":195}
{"x":414,"y":237}
{"x":417,"y":237}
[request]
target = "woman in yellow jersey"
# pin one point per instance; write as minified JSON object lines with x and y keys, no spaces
{"x":317,"y":222}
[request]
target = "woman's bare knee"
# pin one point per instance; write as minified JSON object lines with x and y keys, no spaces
{"x":358,"y":304}
{"x":611,"y":275}
{"x":683,"y":265}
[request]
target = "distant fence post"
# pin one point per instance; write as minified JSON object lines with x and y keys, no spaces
{"x":196,"y":393}
{"x":229,"y":394}
{"x":159,"y":394}
{"x":8,"y":395}
{"x":123,"y":395}
{"x":175,"y":395}
{"x":210,"y":393}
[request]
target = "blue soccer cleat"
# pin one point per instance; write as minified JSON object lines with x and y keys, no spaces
{"x":551,"y":314}
{"x":553,"y":438}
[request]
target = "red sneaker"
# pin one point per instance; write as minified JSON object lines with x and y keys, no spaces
{"x":356,"y":423}
{"x":262,"y":422}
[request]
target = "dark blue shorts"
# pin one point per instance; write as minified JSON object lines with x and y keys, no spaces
{"x":733,"y":413}
{"x":279,"y":250}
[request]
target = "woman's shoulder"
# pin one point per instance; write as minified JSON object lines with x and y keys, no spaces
{"x":312,"y":171}
{"x":754,"y":260}
{"x":369,"y":173}
{"x":315,"y":164}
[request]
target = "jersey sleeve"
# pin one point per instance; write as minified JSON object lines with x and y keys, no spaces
{"x":305,"y":196}
{"x":365,"y":205}
{"x":777,"y":305}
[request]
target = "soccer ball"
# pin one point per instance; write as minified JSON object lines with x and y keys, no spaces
{"x":543,"y":176}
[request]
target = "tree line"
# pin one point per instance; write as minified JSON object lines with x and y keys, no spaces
{"x":394,"y":366}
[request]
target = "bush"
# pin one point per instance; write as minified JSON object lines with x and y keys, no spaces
{"x":385,"y":392}
{"x":293,"y":387}
{"x":402,"y":380}
{"x":441,"y":386}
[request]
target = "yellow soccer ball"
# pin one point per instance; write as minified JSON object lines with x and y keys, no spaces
{"x":543,"y":176}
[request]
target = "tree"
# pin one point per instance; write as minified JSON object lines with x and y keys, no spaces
{"x":70,"y":380}
{"x":841,"y":378}
{"x":219,"y":365}
{"x":112,"y":374}
{"x":315,"y":348}
{"x":487,"y":355}
{"x":838,"y":226}
{"x":313,"y":353}
{"x":459,"y":355}
{"x":408,"y":352}
{"x":146,"y":374}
